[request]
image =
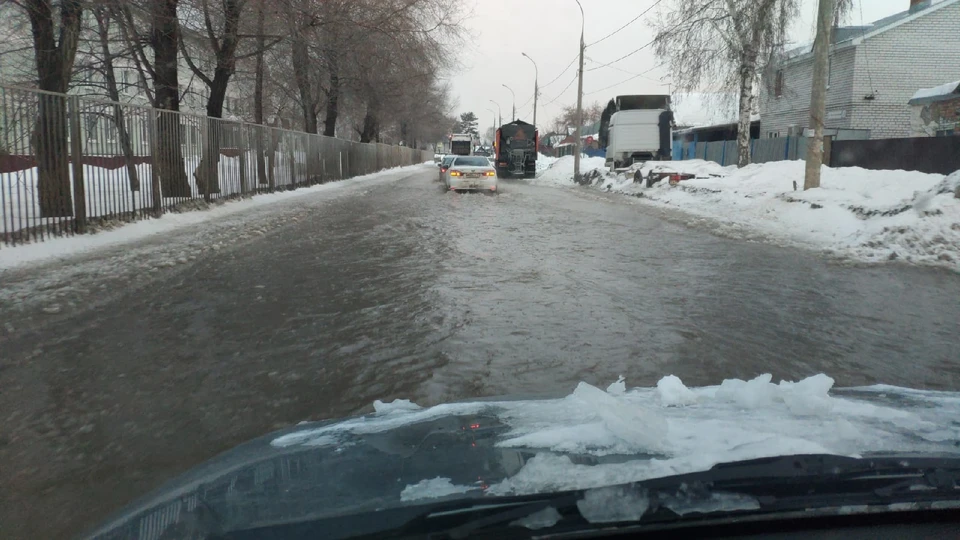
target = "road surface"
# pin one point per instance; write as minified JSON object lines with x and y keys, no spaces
{"x":128,"y":366}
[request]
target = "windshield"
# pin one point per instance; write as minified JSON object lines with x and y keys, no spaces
{"x":478,"y":161}
{"x":237,"y":288}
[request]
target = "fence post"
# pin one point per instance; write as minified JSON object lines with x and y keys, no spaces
{"x":241,"y":139}
{"x":76,"y":149}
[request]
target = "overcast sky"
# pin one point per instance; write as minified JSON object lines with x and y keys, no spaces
{"x":549,"y":31}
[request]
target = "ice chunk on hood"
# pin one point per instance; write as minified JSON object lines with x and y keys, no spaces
{"x":432,"y":489}
{"x":613,"y":504}
{"x":673,"y":393}
{"x":397,"y":405}
{"x":636,"y":425}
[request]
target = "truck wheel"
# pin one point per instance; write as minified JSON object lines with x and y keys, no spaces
{"x":529,"y":174}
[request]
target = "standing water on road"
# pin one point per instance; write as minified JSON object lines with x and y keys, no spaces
{"x":399,"y":290}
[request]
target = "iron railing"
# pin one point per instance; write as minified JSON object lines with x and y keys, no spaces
{"x":68,"y":162}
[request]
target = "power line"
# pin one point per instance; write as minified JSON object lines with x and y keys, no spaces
{"x":562,"y":72}
{"x":635,"y":19}
{"x":561,"y":92}
{"x":623,"y":57}
{"x":624,"y":81}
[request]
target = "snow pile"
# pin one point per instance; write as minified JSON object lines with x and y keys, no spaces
{"x":736,"y":420}
{"x":868,"y":215}
{"x":432,"y":489}
{"x":560,"y":172}
{"x":544,"y":162}
{"x":548,"y":517}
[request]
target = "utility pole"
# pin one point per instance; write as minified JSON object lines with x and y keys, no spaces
{"x":577,"y":143}
{"x":818,"y":93}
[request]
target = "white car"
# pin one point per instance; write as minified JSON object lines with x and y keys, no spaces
{"x":473,"y":173}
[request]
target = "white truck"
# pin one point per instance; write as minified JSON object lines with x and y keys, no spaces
{"x":636,"y":129}
{"x":461,"y":144}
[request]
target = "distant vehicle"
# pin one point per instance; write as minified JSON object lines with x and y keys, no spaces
{"x":515,"y":147}
{"x":636,"y":129}
{"x":445,"y":166}
{"x":437,"y":158}
{"x":461,"y":144}
{"x":471,"y":173}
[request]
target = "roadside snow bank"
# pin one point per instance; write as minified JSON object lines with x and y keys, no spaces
{"x":867,"y":215}
{"x":60,"y":248}
{"x":560,"y":171}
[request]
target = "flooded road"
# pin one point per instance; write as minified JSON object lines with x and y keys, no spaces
{"x":399,"y":290}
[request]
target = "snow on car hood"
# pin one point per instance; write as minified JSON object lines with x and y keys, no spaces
{"x":404,"y":454}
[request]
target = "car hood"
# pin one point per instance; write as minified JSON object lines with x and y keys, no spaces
{"x":405,"y":455}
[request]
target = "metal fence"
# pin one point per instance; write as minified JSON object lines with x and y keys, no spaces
{"x":725,"y":152}
{"x":68,"y":162}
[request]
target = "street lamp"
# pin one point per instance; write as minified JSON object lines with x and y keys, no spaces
{"x":577,"y":143}
{"x":494,"y":113}
{"x":536,"y":86}
{"x":514,"y":101}
{"x":499,"y":114}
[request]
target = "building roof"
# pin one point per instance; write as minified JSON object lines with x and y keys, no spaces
{"x":937,"y":93}
{"x":854,"y":35}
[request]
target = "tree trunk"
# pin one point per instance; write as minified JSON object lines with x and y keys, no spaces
{"x":371,"y":125}
{"x":333,"y":100}
{"x":748,"y":71}
{"x":165,"y":35}
{"x":113,"y":91}
{"x":258,"y":99}
{"x":818,"y":94}
{"x":54,"y":60}
{"x":308,"y":101}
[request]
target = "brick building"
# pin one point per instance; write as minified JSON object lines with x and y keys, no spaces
{"x":874,"y":71}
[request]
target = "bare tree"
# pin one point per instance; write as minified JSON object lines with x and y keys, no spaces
{"x":724,"y":43}
{"x":56,"y":35}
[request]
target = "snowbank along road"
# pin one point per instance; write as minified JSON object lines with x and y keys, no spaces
{"x":126,"y":366}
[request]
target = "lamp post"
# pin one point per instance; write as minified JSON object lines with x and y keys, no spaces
{"x":499,"y":114}
{"x":514,"y":101}
{"x":494,"y":113}
{"x":536,"y":86}
{"x":577,"y":143}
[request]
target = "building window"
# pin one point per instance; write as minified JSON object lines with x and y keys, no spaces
{"x":778,"y":84}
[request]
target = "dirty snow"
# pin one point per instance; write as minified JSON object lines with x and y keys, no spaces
{"x":859,"y":214}
{"x":735,"y":420}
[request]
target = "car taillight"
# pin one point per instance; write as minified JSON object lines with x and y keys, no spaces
{"x":443,"y":169}
{"x":489,"y":173}
{"x":456,"y":173}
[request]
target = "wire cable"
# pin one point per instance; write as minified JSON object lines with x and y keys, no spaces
{"x":635,"y":19}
